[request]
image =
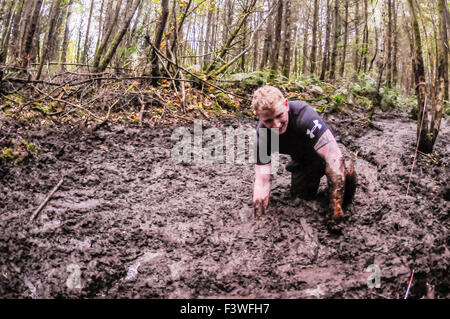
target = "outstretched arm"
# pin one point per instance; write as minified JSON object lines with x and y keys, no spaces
{"x":261,"y":189}
{"x":328,"y":149}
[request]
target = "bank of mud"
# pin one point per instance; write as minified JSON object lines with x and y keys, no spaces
{"x":133,"y":224}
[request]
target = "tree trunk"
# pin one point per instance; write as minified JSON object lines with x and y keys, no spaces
{"x":395,"y":48}
{"x":66,"y":36}
{"x":314,"y":37}
{"x":209,"y":26}
{"x":275,"y":52}
{"x":86,"y":39}
{"x":444,"y":50}
{"x":100,"y":24}
{"x":356,"y":50}
{"x":116,"y":41}
{"x":7,"y":24}
{"x":344,"y":53}
{"x":30,"y":30}
{"x":365,"y":42}
{"x":287,"y":41}
{"x":335,"y":40}
{"x":103,"y":43}
{"x":442,"y":71}
{"x":389,"y":46}
{"x":267,"y":41}
{"x":54,"y":12}
{"x":227,"y":45}
{"x":424,"y":142}
{"x":305,"y":44}
{"x":326,"y":52}
{"x":158,"y":39}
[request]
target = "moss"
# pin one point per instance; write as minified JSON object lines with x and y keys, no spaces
{"x":29,"y":146}
{"x":225,"y":101}
{"x":8,"y":153}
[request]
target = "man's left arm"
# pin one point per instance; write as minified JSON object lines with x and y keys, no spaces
{"x":328,"y":149}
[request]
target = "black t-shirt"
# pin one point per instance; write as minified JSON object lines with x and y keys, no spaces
{"x":305,"y":127}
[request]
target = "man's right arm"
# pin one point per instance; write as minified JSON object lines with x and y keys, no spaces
{"x":261,"y":189}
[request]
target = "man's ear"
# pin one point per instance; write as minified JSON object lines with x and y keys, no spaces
{"x":286,"y":102}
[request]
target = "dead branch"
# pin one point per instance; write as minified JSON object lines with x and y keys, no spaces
{"x":196,"y":76}
{"x":37,"y":211}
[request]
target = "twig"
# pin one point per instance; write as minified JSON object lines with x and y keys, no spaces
{"x":37,"y":211}
{"x":196,"y":76}
{"x":141,"y":113}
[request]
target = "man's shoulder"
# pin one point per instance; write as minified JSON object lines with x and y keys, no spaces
{"x":298,"y":106}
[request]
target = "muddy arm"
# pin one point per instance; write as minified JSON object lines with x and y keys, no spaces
{"x":261,"y":190}
{"x":328,"y":149}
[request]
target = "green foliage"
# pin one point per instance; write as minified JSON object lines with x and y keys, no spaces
{"x":365,"y":85}
{"x":339,"y":100}
{"x":225,"y":101}
{"x":389,"y":99}
{"x":447,"y":108}
{"x":8,"y":153}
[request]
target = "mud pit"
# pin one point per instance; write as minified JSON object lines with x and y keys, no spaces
{"x":134,"y":225}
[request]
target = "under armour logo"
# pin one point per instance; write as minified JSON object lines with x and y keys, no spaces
{"x":317,"y":125}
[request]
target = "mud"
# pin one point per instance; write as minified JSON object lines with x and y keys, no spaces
{"x":132,"y":224}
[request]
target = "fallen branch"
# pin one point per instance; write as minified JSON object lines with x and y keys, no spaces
{"x":196,"y":76}
{"x":37,"y":211}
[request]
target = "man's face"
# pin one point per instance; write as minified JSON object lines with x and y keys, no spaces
{"x":278,"y":118}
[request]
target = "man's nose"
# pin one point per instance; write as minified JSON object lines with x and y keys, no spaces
{"x":277,"y":124}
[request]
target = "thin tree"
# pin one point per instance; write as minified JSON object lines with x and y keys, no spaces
{"x":344,"y":53}
{"x":275,"y":52}
{"x":312,"y":58}
{"x":335,"y":40}
{"x":66,"y":37}
{"x":86,"y":39}
{"x":158,"y":39}
{"x":116,"y":40}
{"x":56,"y":6}
{"x":326,"y":52}
{"x":287,"y":40}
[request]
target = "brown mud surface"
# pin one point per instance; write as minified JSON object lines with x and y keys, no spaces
{"x":136,"y":225}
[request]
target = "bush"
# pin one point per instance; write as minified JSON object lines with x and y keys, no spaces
{"x":389,"y":99}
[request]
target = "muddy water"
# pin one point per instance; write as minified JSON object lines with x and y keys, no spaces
{"x":128,"y":222}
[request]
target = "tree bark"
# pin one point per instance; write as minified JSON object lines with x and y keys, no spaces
{"x":312,"y":58}
{"x":287,"y":41}
{"x":86,"y":39}
{"x":116,"y":41}
{"x":275,"y":52}
{"x":326,"y":52}
{"x":356,"y":50}
{"x":335,"y":40}
{"x":424,"y":144}
{"x":29,"y":32}
{"x":7,"y":24}
{"x":305,"y":44}
{"x":66,"y":36}
{"x":395,"y":48}
{"x":267,"y":41}
{"x":344,"y":53}
{"x":158,"y":39}
{"x":103,"y":43}
{"x":53,"y":16}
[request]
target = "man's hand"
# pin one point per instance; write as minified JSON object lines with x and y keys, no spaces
{"x":261,"y":189}
{"x":260,"y":207}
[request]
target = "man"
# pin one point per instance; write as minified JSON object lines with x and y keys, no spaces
{"x":314,"y":151}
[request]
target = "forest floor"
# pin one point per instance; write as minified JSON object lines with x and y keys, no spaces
{"x":132,"y":224}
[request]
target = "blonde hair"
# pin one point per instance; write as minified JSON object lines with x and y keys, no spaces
{"x":266,"y":98}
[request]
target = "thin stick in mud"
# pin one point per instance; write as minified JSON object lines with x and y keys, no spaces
{"x":37,"y":211}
